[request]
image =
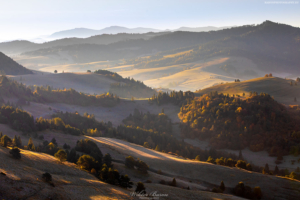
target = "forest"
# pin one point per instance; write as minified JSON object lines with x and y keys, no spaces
{"x":160,"y":123}
{"x":177,"y":98}
{"x":259,"y":122}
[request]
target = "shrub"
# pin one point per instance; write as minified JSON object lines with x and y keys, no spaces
{"x":15,"y":152}
{"x":243,"y":191}
{"x":173,"y":183}
{"x":142,"y":166}
{"x":241,"y":164}
{"x":130,"y":162}
{"x":47,"y":177}
{"x":197,"y":158}
{"x":125,"y":182}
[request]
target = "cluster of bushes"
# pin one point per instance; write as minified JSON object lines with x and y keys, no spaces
{"x":177,"y":98}
{"x":230,"y":163}
{"x":258,"y":122}
{"x":245,"y":191}
{"x":160,"y":123}
{"x":141,"y":166}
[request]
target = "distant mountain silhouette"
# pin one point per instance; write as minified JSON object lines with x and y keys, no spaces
{"x":202,"y":29}
{"x":84,"y":32}
{"x":9,"y":67}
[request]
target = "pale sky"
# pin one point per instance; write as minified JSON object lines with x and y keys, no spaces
{"x":32,"y":18}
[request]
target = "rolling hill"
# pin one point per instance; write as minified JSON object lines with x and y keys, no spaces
{"x":10,"y":67}
{"x":20,"y":179}
{"x":279,"y":88}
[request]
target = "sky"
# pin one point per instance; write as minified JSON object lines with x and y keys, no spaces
{"x":34,"y":18}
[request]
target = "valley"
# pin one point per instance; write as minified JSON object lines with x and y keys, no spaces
{"x":210,"y":114}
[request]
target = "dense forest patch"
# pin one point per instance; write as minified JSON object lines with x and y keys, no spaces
{"x":259,"y":122}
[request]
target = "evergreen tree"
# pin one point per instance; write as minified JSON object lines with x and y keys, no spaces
{"x":30,"y":145}
{"x":222,"y":186}
{"x":267,"y":170}
{"x":240,"y":155}
{"x":173,"y":183}
{"x":5,"y":140}
{"x":72,"y":156}
{"x":107,"y":160}
{"x":276,"y":171}
{"x":19,"y":141}
{"x":54,"y":141}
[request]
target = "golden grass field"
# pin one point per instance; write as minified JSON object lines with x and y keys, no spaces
{"x":23,"y":180}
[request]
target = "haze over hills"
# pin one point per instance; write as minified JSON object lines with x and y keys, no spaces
{"x":20,"y":46}
{"x":243,"y":52}
{"x":84,"y":32}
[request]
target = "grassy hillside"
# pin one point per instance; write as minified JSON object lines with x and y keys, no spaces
{"x":23,"y":179}
{"x":10,"y":67}
{"x":279,"y":88}
{"x":203,"y":172}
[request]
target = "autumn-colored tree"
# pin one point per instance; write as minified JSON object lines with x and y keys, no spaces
{"x":61,"y":155}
